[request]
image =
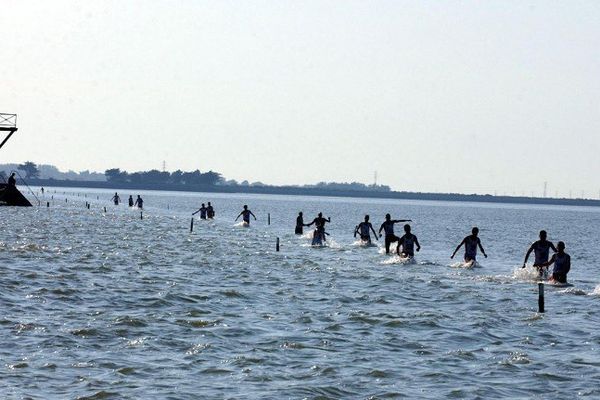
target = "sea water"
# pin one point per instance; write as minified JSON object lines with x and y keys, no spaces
{"x":124,"y":305}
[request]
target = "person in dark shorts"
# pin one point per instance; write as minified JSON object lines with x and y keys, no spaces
{"x":388,"y":227}
{"x":541,"y":249}
{"x":245,"y":214}
{"x":471,"y":243}
{"x":364,"y":230}
{"x":562,"y":264}
{"x":319,"y":235}
{"x":299,"y":224}
{"x":139,"y":202}
{"x":408,"y":242}
{"x":130,"y":201}
{"x":210,"y":211}
{"x":202,"y":210}
{"x":116,"y":199}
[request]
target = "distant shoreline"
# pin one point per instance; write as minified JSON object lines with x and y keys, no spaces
{"x":300,"y":191}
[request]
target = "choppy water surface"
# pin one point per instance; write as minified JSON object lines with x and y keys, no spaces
{"x":107,"y":305}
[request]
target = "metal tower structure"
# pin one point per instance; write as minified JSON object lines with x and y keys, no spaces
{"x":8,"y":123}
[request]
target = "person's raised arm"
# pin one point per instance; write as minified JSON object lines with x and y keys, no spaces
{"x":236,"y":218}
{"x":313,"y":222}
{"x":381,"y":228}
{"x":194,"y":213}
{"x":356,"y":230}
{"x":527,"y":255}
{"x":251,"y":213}
{"x":417,"y":243}
{"x":552,"y":247}
{"x":401,"y":220}
{"x":457,"y":247}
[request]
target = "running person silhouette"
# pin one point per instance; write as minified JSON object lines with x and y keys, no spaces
{"x":245,"y":214}
{"x":471,"y":243}
{"x":388,"y":227}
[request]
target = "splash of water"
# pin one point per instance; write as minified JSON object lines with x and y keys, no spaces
{"x":596,"y":291}
{"x":528,"y":274}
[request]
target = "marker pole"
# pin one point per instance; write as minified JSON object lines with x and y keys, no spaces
{"x":192,"y":225}
{"x":277,"y":245}
{"x":269,"y":219}
{"x":540,"y":297}
{"x":141,"y":215}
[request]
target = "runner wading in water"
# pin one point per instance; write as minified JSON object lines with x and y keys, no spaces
{"x":210,"y":211}
{"x":319,"y":234}
{"x":408,"y":242}
{"x":541,"y":249}
{"x":299,"y":224}
{"x":139,"y":203}
{"x":116,"y":199}
{"x":364,"y":230}
{"x":245,"y":214}
{"x":562,"y":264}
{"x":388,"y":227}
{"x":471,"y":243}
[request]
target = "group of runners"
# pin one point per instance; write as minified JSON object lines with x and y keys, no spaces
{"x":139,"y":202}
{"x":408,"y":243}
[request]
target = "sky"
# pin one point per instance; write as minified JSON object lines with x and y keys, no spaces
{"x":442,"y":96}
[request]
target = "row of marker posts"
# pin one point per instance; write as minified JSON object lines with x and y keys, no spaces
{"x":88,"y":204}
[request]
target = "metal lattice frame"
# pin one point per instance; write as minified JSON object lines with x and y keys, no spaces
{"x":8,"y":120}
{"x":8,"y":123}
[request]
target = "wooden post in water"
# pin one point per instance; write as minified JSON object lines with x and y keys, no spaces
{"x":269,"y":219}
{"x":104,"y":209}
{"x":192,"y":225}
{"x":540,"y":297}
{"x":141,"y":215}
{"x":47,"y":204}
{"x":277,"y":245}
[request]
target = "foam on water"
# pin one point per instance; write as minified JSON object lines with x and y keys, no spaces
{"x":466,"y":265}
{"x":596,"y":291}
{"x":527,"y":274}
{"x":399,"y":260}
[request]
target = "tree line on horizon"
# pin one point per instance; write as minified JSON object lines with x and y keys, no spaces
{"x":155,"y":176}
{"x":30,"y":170}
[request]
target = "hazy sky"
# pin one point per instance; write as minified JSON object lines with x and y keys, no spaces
{"x":461,"y":96}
